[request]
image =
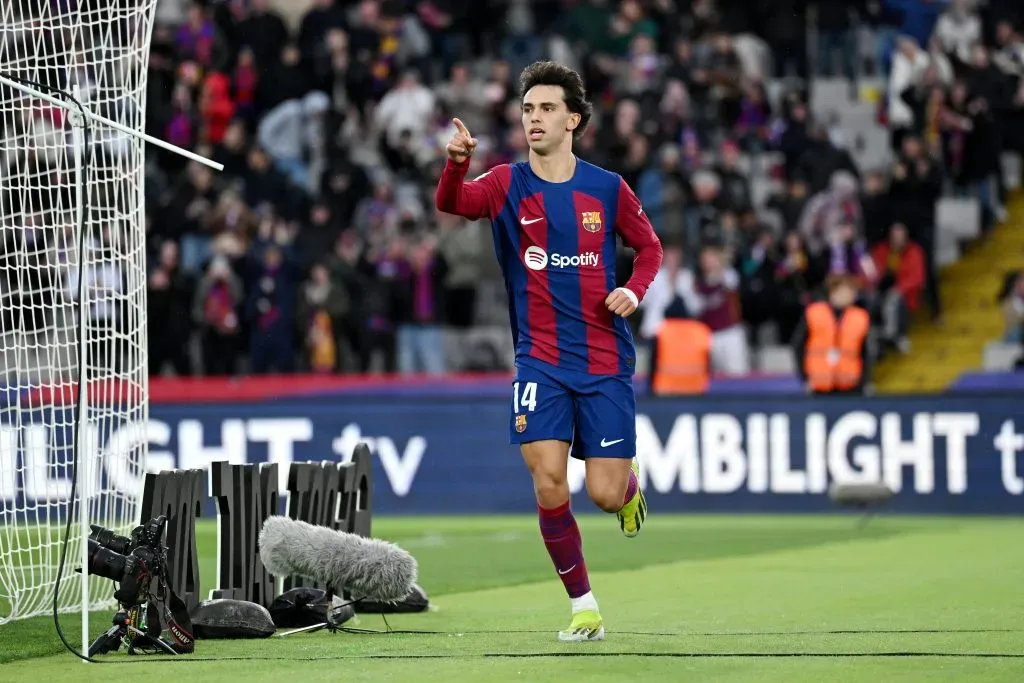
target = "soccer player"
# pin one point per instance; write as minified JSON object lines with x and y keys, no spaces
{"x":555,"y":219}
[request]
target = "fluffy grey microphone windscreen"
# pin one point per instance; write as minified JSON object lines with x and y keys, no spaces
{"x":365,"y":567}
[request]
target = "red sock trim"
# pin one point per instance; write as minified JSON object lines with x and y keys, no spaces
{"x":553,"y":512}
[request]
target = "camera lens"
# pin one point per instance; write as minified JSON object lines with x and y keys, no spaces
{"x":105,"y":562}
{"x":108,"y":539}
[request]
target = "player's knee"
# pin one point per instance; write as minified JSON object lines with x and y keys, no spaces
{"x":551,"y":490}
{"x":608,"y":498}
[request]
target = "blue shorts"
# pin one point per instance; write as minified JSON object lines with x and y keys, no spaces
{"x":595,"y":413}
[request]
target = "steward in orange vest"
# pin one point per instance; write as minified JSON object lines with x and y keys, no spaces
{"x":680,"y":355}
{"x":831,"y":342}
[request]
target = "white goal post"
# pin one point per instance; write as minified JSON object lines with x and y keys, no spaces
{"x":72,"y":291}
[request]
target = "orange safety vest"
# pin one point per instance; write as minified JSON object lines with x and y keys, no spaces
{"x":832,"y":359}
{"x":684,"y":352}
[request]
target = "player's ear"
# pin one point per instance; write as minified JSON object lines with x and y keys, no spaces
{"x":574,"y":122}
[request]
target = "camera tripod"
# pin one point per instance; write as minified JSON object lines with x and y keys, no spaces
{"x":337,"y":613}
{"x":123,"y":626}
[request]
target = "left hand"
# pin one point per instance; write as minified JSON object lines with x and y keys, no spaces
{"x":620,"y":303}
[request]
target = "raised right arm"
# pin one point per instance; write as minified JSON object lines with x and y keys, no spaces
{"x":475,"y":199}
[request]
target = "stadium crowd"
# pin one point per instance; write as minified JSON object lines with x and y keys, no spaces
{"x":319,"y":245}
{"x":318,"y":248}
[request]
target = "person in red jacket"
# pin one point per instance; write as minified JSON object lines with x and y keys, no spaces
{"x":216,"y":107}
{"x":900,"y":263}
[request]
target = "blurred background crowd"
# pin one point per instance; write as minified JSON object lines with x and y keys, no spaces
{"x":772,"y":145}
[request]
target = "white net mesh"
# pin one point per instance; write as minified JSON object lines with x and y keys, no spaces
{"x":102,"y":47}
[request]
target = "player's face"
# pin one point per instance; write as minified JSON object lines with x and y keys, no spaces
{"x":547,"y":121}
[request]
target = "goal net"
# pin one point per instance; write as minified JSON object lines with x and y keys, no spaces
{"x":57,"y":178}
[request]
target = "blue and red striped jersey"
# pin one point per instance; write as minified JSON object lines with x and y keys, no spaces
{"x":556,"y":245}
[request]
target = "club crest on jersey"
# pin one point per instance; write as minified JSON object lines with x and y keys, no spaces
{"x":520,"y":423}
{"x":591,"y":221}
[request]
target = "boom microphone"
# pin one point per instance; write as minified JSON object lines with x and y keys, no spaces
{"x":364,"y":567}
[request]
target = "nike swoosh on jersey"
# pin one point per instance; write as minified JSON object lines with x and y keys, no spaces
{"x":524,"y":220}
{"x":606,"y":444}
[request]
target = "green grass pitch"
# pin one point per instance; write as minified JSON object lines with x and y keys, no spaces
{"x":702,"y":598}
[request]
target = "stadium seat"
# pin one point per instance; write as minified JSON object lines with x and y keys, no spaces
{"x":643,"y":358}
{"x":480,"y":349}
{"x":776,"y":360}
{"x":947,"y":249}
{"x":1011,"y":165}
{"x":773,"y":219}
{"x":761,"y":189}
{"x":999,"y":355}
{"x":858,"y":117}
{"x":959,"y":216}
{"x":874,"y":152}
{"x":829,"y":94}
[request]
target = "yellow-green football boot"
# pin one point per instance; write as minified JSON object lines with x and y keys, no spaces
{"x":586,"y":625}
{"x":632,"y":514}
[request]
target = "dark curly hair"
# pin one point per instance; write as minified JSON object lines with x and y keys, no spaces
{"x":574,"y":94}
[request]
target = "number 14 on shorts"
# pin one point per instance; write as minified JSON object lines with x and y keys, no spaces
{"x":527,"y":400}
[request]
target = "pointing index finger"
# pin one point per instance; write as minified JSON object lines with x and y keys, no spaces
{"x":461,"y":127}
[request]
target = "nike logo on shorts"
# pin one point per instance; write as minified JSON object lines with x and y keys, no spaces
{"x":606,"y":444}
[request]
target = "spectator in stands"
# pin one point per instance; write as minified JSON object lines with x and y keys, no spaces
{"x":666,"y":290}
{"x":422,"y":311}
{"x":272,"y":282}
{"x":828,"y":211}
{"x":884,"y":21}
{"x":900,"y":264}
{"x":350,"y":272}
{"x":1011,"y":300}
{"x":875,"y":207}
{"x":836,"y":38}
{"x":216,"y":108}
{"x":712,"y":295}
{"x":106,"y":280}
{"x":751,"y":125}
{"x":461,"y":247}
{"x":759,"y":293}
{"x":734,"y":193}
{"x":958,"y":30}
{"x":331,"y":135}
{"x":784,"y":28}
{"x":261,"y":30}
{"x":405,"y":110}
{"x":323,"y":305}
{"x":913,"y":192}
{"x":292,"y":134}
{"x":215,"y":311}
{"x":832,"y":343}
{"x":908,"y":64}
{"x":848,"y":255}
{"x":820,"y":159}
{"x":283,"y":79}
{"x":794,"y":138}
{"x":199,"y":39}
{"x":798,"y":275}
{"x":791,"y":203}
{"x":169,"y":295}
{"x":971,"y":150}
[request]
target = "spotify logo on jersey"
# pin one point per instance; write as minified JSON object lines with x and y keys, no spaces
{"x":535,"y":258}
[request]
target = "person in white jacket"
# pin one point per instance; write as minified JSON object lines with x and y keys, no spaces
{"x":908,"y":65}
{"x":959,"y":29}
